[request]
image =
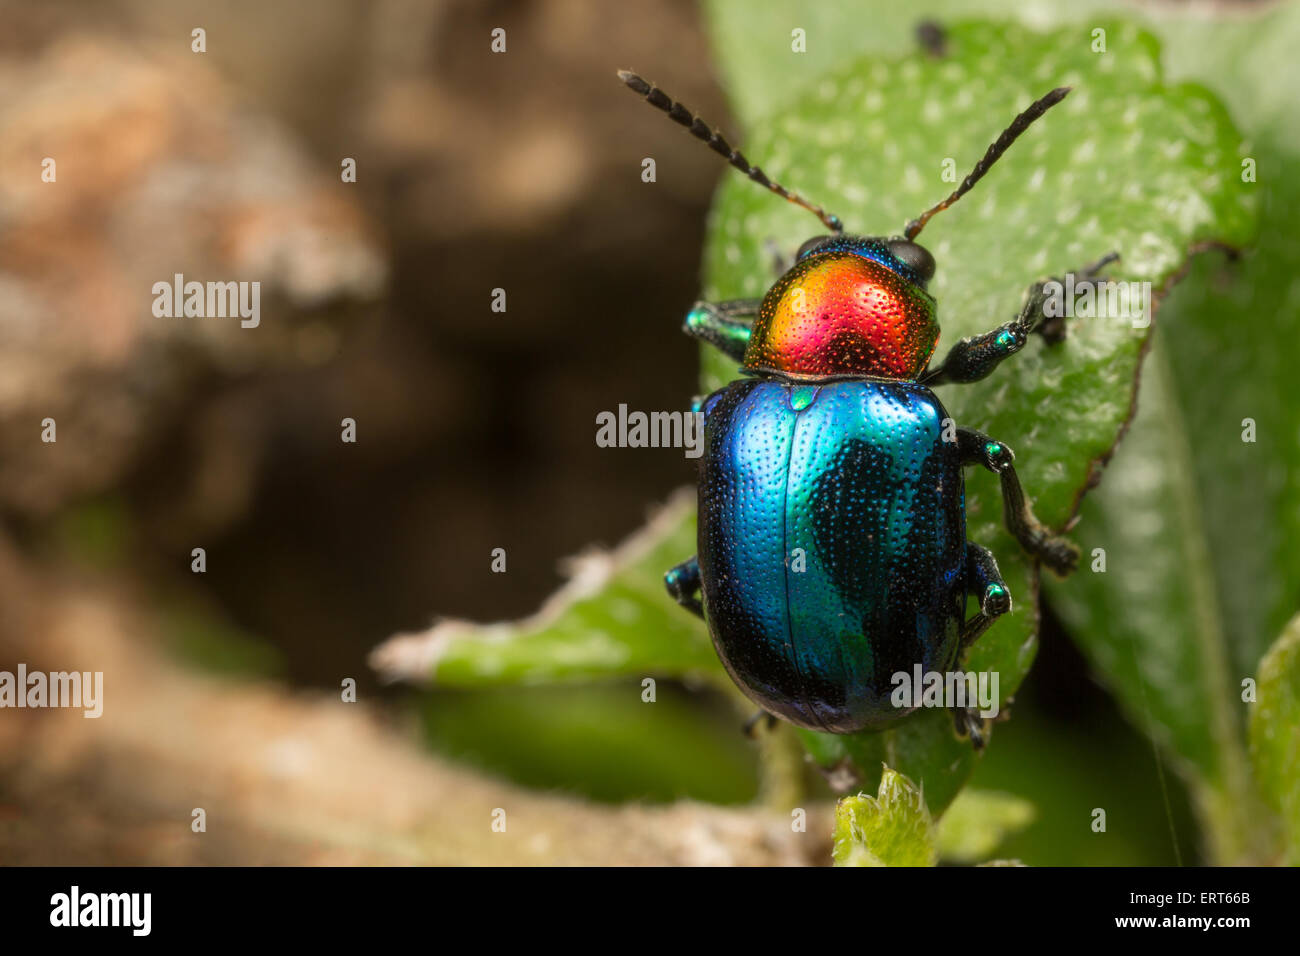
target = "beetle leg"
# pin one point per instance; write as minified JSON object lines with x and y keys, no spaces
{"x":724,"y":325}
{"x":1057,"y":552}
{"x":1052,"y":328}
{"x":973,"y":358}
{"x":984,"y":583}
{"x":683,"y":583}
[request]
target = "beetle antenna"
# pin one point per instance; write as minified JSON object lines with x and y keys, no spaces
{"x":716,"y":142}
{"x":1000,"y":146}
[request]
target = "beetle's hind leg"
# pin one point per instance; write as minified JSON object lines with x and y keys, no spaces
{"x":683,"y":583}
{"x":1057,"y":552}
{"x":984,"y":583}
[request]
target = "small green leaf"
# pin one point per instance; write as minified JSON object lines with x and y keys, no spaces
{"x":613,"y":619}
{"x":978,"y":821}
{"x":924,"y":744}
{"x":1275,"y":733}
{"x":893,"y":828}
{"x":1124,"y":164}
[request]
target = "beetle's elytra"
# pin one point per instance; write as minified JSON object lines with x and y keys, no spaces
{"x":832,"y":447}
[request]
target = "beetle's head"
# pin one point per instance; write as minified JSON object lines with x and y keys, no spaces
{"x":910,"y":260}
{"x":850,"y":305}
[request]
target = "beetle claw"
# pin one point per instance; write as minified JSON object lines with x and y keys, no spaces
{"x":1094,"y":270}
{"x":1061,"y":555}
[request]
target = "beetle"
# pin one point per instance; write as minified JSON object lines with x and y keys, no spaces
{"x":832,"y":550}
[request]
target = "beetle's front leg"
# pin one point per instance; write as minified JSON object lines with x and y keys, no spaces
{"x":1058,"y":553}
{"x":975,"y":357}
{"x":724,"y":325}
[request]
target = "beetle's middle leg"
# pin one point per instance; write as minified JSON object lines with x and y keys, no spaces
{"x":683,"y":583}
{"x":1058,"y":553}
{"x":975,"y":357}
{"x":724,"y":325}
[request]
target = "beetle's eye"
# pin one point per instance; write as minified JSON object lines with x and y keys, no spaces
{"x":915,"y":257}
{"x":811,"y":245}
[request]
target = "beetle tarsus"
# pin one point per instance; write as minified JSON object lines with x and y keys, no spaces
{"x":1053,"y":328}
{"x":1061,"y":555}
{"x":1094,"y":270}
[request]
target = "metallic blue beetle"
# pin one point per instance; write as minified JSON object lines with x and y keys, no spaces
{"x":832,"y":527}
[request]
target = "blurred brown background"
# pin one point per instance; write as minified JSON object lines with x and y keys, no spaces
{"x":475,"y":171}
{"x":475,"y":429}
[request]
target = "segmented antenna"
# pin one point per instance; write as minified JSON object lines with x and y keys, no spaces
{"x":716,"y":142}
{"x":1000,"y":145}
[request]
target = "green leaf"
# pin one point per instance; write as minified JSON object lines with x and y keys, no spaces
{"x":613,"y":619}
{"x":892,"y":828}
{"x":1275,"y":733}
{"x":1125,"y":163}
{"x":601,"y":741}
{"x":978,"y":821}
{"x":1243,"y":49}
{"x":1198,"y":525}
{"x":1151,"y":621}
